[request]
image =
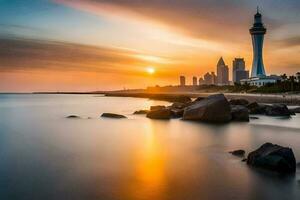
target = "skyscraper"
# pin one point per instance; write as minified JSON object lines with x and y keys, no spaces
{"x":238,"y":70}
{"x":257,"y":32}
{"x":182,"y":81}
{"x":195,"y":82}
{"x":222,"y":73}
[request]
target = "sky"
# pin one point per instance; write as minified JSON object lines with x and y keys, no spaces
{"x":89,"y":45}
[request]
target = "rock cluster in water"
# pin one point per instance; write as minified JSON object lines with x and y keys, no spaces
{"x":113,"y":115}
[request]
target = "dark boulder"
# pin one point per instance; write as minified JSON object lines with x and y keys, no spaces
{"x":141,"y":112}
{"x":255,"y":108}
{"x":239,"y":152}
{"x":295,"y":110}
{"x":73,"y":117}
{"x":273,"y":157}
{"x":112,"y":115}
{"x":251,"y":117}
{"x":277,"y":110}
{"x":242,"y":102}
{"x":178,"y":105}
{"x":159,"y":114}
{"x":239,"y":113}
{"x":214,"y":108}
{"x":152,"y":108}
{"x":177,"y":113}
{"x":199,"y":98}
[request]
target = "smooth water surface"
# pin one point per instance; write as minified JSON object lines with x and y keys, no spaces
{"x":44,"y":155}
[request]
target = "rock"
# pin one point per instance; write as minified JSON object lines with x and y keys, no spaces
{"x":253,"y":117}
{"x":239,"y":152}
{"x":298,"y":165}
{"x":141,"y":112}
{"x":255,"y":108}
{"x":160,"y":114}
{"x":199,"y":98}
{"x":295,"y":110}
{"x":177,"y":113}
{"x":239,"y":113}
{"x":112,"y":115}
{"x":273,"y":157}
{"x":277,"y":110}
{"x":214,"y":108}
{"x":179,"y":105}
{"x":242,"y":102}
{"x":73,"y":117}
{"x":244,"y":160}
{"x":152,"y":108}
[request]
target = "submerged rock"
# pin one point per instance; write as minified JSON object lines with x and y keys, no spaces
{"x":214,"y":108}
{"x":242,"y":102}
{"x":273,"y":157}
{"x":239,"y":113}
{"x":113,"y":115}
{"x":141,"y":112}
{"x":152,"y":108}
{"x":73,"y":117}
{"x":277,"y":110}
{"x":239,"y":152}
{"x":159,"y":114}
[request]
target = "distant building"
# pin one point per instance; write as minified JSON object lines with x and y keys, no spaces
{"x":238,"y":70}
{"x":182,"y":80}
{"x":195,"y":82}
{"x":222,"y":73}
{"x":201,"y":81}
{"x":214,"y":78}
{"x":208,"y":79}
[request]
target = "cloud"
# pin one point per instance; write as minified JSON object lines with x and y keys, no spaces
{"x":226,"y":20}
{"x":28,"y":55}
{"x":293,"y":41}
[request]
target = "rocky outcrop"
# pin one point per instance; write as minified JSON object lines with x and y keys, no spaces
{"x":239,"y":152}
{"x":112,"y":115}
{"x":152,"y":108}
{"x":141,"y":112}
{"x":273,"y":157}
{"x":295,"y":110}
{"x":255,"y":108}
{"x":160,"y":114}
{"x":239,"y":113}
{"x":242,"y":102}
{"x":277,"y":110}
{"x":176,"y":112}
{"x":214,"y":108}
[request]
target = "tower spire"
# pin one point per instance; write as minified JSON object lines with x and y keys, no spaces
{"x":257,"y":9}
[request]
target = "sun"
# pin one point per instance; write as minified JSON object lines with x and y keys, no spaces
{"x":150,"y":70}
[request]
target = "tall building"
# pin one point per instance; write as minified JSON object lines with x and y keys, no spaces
{"x":182,"y":81}
{"x":208,"y":79}
{"x":258,"y":75}
{"x":214,"y":78}
{"x":238,"y":70}
{"x":257,"y":33}
{"x":222,"y":73}
{"x":201,"y":81}
{"x":195,"y":82}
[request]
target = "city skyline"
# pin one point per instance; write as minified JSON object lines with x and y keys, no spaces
{"x":101,"y":45}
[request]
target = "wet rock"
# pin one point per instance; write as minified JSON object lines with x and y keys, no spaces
{"x":239,"y":152}
{"x":252,"y":117}
{"x":152,"y":108}
{"x":277,"y":110}
{"x":242,"y":102}
{"x":177,"y":113}
{"x":239,"y":113}
{"x":178,"y":105}
{"x":255,"y":108}
{"x":214,"y":108}
{"x":199,"y":99}
{"x":113,"y":115}
{"x":159,"y":114}
{"x":141,"y":112}
{"x":244,"y":160}
{"x":73,"y":117}
{"x":295,"y":110}
{"x":273,"y":157}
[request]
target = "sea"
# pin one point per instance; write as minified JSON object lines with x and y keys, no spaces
{"x":46,"y":156}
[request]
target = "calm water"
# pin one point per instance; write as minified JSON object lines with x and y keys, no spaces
{"x":45,"y":156}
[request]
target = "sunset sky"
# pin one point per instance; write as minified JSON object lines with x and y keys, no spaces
{"x":87,"y":45}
